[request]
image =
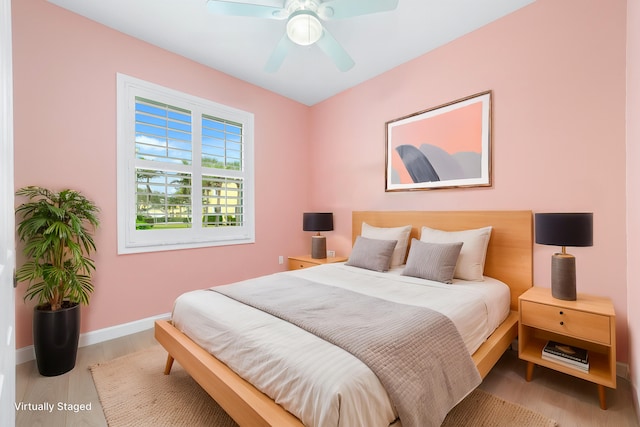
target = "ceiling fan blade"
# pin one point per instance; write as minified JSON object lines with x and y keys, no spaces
{"x":222,"y":7}
{"x":335,"y":51}
{"x":278,"y":55}
{"x":339,"y":9}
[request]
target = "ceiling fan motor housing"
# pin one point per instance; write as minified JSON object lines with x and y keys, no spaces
{"x":304,"y":27}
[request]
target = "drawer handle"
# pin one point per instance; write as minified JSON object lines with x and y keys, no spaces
{"x":561,"y":313}
{"x":561,"y":323}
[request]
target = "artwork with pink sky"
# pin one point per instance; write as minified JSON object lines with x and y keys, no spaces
{"x":442,"y":147}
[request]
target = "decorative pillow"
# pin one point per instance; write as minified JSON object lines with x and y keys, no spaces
{"x":400,"y":234}
{"x":473,"y":253}
{"x":432,"y":261}
{"x":372,"y":254}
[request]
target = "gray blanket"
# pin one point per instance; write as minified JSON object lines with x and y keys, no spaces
{"x":416,"y":353}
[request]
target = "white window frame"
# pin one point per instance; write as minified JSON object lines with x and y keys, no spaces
{"x":131,"y":240}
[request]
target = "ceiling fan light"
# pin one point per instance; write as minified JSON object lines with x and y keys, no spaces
{"x":304,"y":28}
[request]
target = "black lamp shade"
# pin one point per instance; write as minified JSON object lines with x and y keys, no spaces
{"x":317,"y":221}
{"x":564,"y":229}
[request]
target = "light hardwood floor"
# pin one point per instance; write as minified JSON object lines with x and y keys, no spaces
{"x":571,"y":402}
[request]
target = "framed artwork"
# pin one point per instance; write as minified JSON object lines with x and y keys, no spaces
{"x":448,"y":146}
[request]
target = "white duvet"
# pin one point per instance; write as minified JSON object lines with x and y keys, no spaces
{"x":316,"y":381}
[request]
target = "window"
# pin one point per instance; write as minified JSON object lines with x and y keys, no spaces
{"x":185,"y":170}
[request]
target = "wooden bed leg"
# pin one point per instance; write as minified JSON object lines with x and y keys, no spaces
{"x":530,"y":366}
{"x":167,"y":368}
{"x":602,"y":394}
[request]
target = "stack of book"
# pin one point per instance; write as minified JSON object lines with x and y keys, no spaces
{"x":567,"y":355}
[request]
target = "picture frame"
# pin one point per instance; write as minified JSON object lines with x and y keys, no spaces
{"x":448,"y":146}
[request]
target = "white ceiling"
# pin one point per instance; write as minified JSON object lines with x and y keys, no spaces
{"x":240,"y":46}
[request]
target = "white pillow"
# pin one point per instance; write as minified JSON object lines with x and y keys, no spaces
{"x":401,"y":234}
{"x":473,"y":253}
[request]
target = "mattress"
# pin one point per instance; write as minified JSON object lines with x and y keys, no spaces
{"x":316,"y":381}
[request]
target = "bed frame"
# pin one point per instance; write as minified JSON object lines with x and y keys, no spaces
{"x":509,"y":259}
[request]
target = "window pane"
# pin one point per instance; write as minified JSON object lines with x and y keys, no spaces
{"x":222,"y":143}
{"x":163,"y":200}
{"x":163,"y":132}
{"x":222,"y":200}
{"x":172,"y":191}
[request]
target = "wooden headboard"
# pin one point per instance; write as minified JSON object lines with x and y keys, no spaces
{"x":510,"y":251}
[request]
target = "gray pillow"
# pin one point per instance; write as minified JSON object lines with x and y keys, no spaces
{"x":432,"y":261}
{"x":372,"y":254}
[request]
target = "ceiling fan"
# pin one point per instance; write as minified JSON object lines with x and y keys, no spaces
{"x":304,"y":26}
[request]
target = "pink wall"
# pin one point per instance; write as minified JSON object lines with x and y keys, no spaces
{"x":557,"y":72}
{"x":65,"y":136}
{"x":633,"y":191}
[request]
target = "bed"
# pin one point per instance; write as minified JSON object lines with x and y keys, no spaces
{"x":508,"y":259}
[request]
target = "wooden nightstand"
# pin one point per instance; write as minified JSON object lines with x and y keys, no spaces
{"x":589,"y":323}
{"x":304,"y":261}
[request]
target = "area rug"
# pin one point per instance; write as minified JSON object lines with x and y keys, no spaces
{"x":134,"y":391}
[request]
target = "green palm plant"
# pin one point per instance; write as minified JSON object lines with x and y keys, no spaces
{"x":56,"y":229}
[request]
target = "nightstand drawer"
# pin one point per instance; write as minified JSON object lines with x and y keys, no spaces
{"x":295,"y":264}
{"x":305,"y":261}
{"x":578,"y":324}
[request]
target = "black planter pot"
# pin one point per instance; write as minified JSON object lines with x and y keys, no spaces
{"x":55,"y":338}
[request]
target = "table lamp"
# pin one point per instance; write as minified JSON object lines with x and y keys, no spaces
{"x":318,"y":221}
{"x":564,"y":229}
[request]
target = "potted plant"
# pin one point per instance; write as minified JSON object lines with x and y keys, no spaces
{"x":56,"y":230}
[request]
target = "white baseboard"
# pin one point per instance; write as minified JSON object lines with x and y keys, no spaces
{"x":26,"y":354}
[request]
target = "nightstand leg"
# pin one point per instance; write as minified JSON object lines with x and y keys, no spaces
{"x":530,"y":366}
{"x":602,"y":394}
